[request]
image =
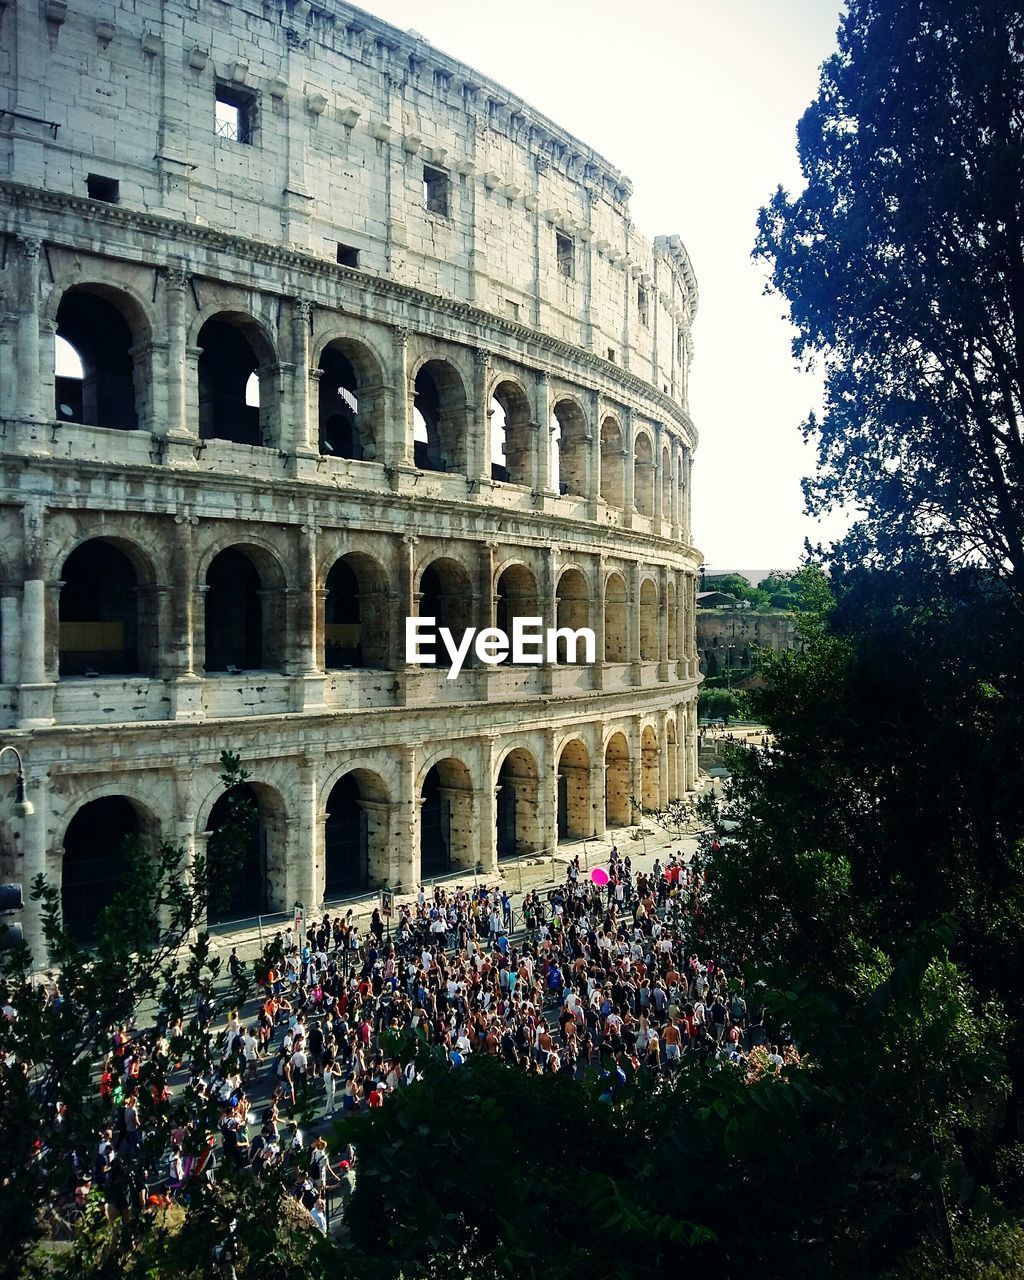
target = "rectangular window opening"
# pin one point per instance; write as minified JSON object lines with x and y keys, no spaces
{"x":234,"y":114}
{"x":611,"y":354}
{"x":348,"y":256}
{"x":565,"y":252}
{"x":643,"y":305}
{"x":100,"y":188}
{"x":436,"y":190}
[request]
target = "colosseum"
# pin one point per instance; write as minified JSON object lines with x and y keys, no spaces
{"x":307,"y":328}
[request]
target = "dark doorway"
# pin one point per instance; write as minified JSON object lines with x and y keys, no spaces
{"x":347,"y":840}
{"x":94,"y":862}
{"x":237,"y":857}
{"x":435,"y":828}
{"x":105,"y":394}
{"x":98,"y":612}
{"x":234,"y":614}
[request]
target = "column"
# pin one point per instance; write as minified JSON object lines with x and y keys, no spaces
{"x":659,"y":506}
{"x":10,"y":638}
{"x":594,"y":464}
{"x":33,"y":859}
{"x":407,"y":601}
{"x":684,"y":517}
{"x":663,"y":672}
{"x":597,"y":781}
{"x":691,"y":625}
{"x":303,"y":883}
{"x":690,"y":745}
{"x":185,"y":687}
{"x":36,"y":692}
{"x":311,"y":684}
{"x":628,"y":468}
{"x":542,"y":413}
{"x":398,"y":450}
{"x":485,"y":801}
{"x":633,"y":650}
{"x":303,"y":441}
{"x":675,"y":489}
{"x":664,"y":763}
{"x":177,"y":425}
{"x":682,"y":612}
{"x":405,"y":862}
{"x":488,"y":599}
{"x":597,"y":621}
{"x":28,"y":355}
{"x":479,"y":461}
{"x":636,"y":782}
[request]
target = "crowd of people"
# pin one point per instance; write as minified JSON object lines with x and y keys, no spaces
{"x":581,"y":976}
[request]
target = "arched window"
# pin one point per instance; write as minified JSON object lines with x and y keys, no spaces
{"x":643,"y":475}
{"x":573,"y":609}
{"x":616,"y":623}
{"x":612,"y":460}
{"x":356,"y":626}
{"x":439,"y":418}
{"x":649,"y":622}
{"x":447,"y":829}
{"x":94,"y":370}
{"x":516,"y":597}
{"x":446,"y":595}
{"x":649,"y":770}
{"x":575,"y":820}
{"x":103,"y":630}
{"x":518,"y":828}
{"x":231,"y":388}
{"x":618,"y":807}
{"x":94,"y":862}
{"x":351,"y":402}
{"x":238,"y":854}
{"x":243,"y":618}
{"x":511,"y":434}
{"x":569,"y":448}
{"x":666,"y":484}
{"x":356,"y":834}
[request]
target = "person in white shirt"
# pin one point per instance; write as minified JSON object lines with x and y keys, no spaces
{"x":319,"y":1215}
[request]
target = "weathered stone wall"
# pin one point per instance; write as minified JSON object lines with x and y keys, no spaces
{"x":214,"y":250}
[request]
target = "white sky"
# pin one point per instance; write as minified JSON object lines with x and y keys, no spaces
{"x":697,"y":101}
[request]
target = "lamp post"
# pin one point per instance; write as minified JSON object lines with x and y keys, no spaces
{"x":23,"y":807}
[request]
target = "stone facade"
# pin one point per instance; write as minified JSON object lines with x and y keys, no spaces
{"x":728,"y":639}
{"x":307,"y":328}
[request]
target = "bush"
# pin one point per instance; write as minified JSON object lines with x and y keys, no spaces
{"x":721,"y":704}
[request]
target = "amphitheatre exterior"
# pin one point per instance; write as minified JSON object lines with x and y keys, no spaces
{"x":307,"y":328}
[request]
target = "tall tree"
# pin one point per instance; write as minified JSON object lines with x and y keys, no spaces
{"x":903,"y":265}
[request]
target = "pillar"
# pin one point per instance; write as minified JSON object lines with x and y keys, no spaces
{"x":659,"y":509}
{"x":405,"y":860}
{"x":486,"y":803}
{"x":628,"y":468}
{"x":178,"y":422}
{"x":597,"y":782}
{"x":548,"y":798}
{"x":398,"y":450}
{"x":185,"y":687}
{"x":684,"y":515}
{"x":663,"y":671}
{"x":311,"y":682}
{"x":28,"y":355}
{"x":633,"y":651}
{"x":675,"y":489}
{"x":478,"y":463}
{"x":542,"y":413}
{"x":303,"y":885}
{"x":594,"y":477}
{"x":636,"y":758}
{"x":663,"y":759}
{"x":597,"y":618}
{"x":303,"y":441}
{"x":33,"y":859}
{"x":36,"y":692}
{"x":10,"y":638}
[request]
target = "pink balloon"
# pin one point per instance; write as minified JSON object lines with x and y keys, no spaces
{"x":599,"y":875}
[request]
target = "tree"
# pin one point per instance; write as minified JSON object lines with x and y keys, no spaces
{"x":902,"y":262}
{"x":734,"y":584}
{"x":793,"y":591}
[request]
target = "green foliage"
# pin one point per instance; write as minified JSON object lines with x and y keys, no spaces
{"x":721,"y":704}
{"x":797,"y":591}
{"x":734,"y":584}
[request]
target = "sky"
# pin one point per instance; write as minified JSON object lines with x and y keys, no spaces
{"x":697,"y":101}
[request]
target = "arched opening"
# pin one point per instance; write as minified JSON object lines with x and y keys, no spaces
{"x":243,"y":627}
{"x":672,"y":744}
{"x":100,"y":627}
{"x":439,"y":418}
{"x":446,"y":595}
{"x":231,"y":390}
{"x":518,"y":825}
{"x":648,"y":621}
{"x":643,"y":475}
{"x":575,"y":821}
{"x":94,"y":369}
{"x":666,"y":484}
{"x":612,"y":464}
{"x":446,"y":819}
{"x":616,"y":619}
{"x":673,"y":620}
{"x":356,"y":834}
{"x":246,"y":872}
{"x":517,"y":597}
{"x":356,"y":614}
{"x":569,"y":448}
{"x":573,"y":610}
{"x":511,"y":434}
{"x":649,"y":770}
{"x":351,"y":402}
{"x":617,"y":806}
{"x":94,"y":862}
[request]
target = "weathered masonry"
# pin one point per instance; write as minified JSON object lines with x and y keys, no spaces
{"x":306,"y":328}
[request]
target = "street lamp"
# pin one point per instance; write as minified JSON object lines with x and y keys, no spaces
{"x":23,"y":807}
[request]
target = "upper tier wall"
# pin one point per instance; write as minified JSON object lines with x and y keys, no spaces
{"x":344,"y":112}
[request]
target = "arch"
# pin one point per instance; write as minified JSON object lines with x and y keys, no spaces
{"x":612,"y":464}
{"x":350,"y":401}
{"x":106,"y":617}
{"x":572,"y":608}
{"x":649,"y":784}
{"x":617,"y":805}
{"x":446,"y":594}
{"x":356,"y":613}
{"x":447,"y":827}
{"x":102,"y":326}
{"x":517,"y":818}
{"x":511,"y":433}
{"x":236,"y":359}
{"x":643,"y":474}
{"x":616,"y":619}
{"x":356,"y":834}
{"x":666,"y":483}
{"x":439,"y":418}
{"x":246,"y":859}
{"x":244,"y":617}
{"x":649,"y":615}
{"x":516,"y":596}
{"x":94,"y":858}
{"x":575,"y":820}
{"x":569,"y":448}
